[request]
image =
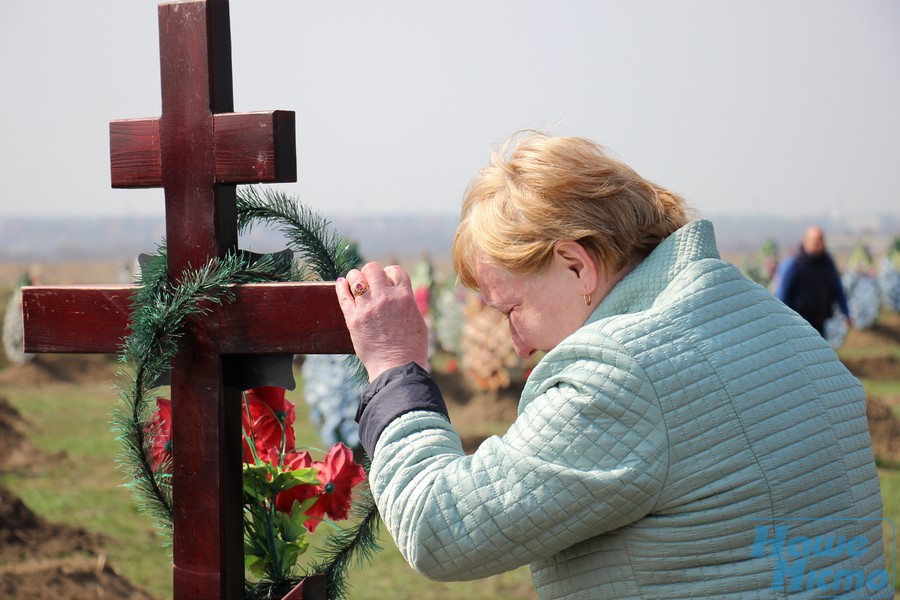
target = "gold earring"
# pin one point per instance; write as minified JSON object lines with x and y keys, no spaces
{"x":587,"y":299}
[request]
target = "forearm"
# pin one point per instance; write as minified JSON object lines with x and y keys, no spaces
{"x":456,"y":517}
{"x":459,"y":517}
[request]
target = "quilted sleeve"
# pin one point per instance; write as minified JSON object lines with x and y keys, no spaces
{"x":587,"y":455}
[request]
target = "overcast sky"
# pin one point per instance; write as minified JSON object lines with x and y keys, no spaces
{"x":782,"y":107}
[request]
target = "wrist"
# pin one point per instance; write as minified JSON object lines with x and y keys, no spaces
{"x":376,"y":369}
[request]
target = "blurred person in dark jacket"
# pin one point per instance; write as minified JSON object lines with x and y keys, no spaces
{"x":809,"y":281}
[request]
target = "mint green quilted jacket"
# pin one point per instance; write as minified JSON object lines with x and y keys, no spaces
{"x":695,"y":439}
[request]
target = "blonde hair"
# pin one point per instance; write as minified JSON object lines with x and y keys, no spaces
{"x":538,"y":190}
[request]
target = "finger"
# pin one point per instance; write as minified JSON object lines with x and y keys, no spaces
{"x":357,"y":283}
{"x":353,"y":276}
{"x":342,"y":287}
{"x":375,"y":275}
{"x":344,"y":296}
{"x":399,"y":276}
{"x":359,"y":289}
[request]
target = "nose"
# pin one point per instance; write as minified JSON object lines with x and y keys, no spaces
{"x":521,"y":348}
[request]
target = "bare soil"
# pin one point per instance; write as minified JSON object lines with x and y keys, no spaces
{"x":40,"y":559}
{"x":59,"y":368}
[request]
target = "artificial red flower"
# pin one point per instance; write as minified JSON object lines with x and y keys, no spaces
{"x":337,"y":474}
{"x":284,"y":501}
{"x":269,"y":422}
{"x":159,"y":430}
{"x":268,"y":419}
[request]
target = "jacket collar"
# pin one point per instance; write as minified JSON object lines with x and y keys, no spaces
{"x":639,"y":289}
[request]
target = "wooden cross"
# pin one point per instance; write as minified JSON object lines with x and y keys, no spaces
{"x":198,"y":151}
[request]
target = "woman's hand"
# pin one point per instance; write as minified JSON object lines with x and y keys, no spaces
{"x":385,"y":325}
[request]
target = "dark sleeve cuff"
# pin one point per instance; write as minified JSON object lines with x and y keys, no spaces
{"x":396,"y":392}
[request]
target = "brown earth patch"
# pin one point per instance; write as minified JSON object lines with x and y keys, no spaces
{"x":41,"y":560}
{"x":25,"y":535}
{"x":75,"y":578}
{"x":885,"y":332}
{"x":60,"y":368}
{"x":881,"y":368}
{"x":884,"y":427}
{"x":16,"y":451}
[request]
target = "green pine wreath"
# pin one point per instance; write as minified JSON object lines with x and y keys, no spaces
{"x":159,"y":312}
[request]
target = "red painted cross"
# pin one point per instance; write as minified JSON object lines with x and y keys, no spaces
{"x":198,"y":151}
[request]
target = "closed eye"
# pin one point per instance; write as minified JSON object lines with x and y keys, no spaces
{"x":505,"y":313}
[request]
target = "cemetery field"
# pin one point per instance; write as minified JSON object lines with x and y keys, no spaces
{"x":66,"y":520}
{"x":59,"y":460}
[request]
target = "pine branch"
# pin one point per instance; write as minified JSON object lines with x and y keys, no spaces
{"x":159,"y":312}
{"x":353,"y":546}
{"x":309,"y":235}
{"x":325,"y":254}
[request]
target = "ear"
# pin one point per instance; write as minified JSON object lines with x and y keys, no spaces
{"x":574,"y":257}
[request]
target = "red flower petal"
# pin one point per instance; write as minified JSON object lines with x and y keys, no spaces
{"x":159,"y":432}
{"x":339,"y":474}
{"x":269,"y":419}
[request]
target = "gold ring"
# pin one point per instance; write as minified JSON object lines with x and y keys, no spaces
{"x":360,"y":288}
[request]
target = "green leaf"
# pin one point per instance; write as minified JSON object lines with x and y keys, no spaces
{"x":306,"y":504}
{"x":256,"y":481}
{"x":309,"y":475}
{"x":255,"y":565}
{"x":256,"y":558}
{"x":285,"y":480}
{"x":289,"y":555}
{"x":302,"y":545}
{"x":291,"y":525}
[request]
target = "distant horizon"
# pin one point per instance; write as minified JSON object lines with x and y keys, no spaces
{"x":392,"y":237}
{"x":836,"y":213}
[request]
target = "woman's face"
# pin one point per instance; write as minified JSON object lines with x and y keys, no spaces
{"x":542,"y":310}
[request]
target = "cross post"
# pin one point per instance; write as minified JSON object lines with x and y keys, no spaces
{"x":198,"y":151}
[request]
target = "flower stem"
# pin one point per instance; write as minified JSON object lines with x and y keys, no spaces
{"x":275,"y":572}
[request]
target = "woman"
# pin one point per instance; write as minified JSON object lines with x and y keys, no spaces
{"x":684,"y":436}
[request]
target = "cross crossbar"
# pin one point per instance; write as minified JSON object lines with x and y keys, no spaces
{"x":265,"y":318}
{"x":249,"y":148}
